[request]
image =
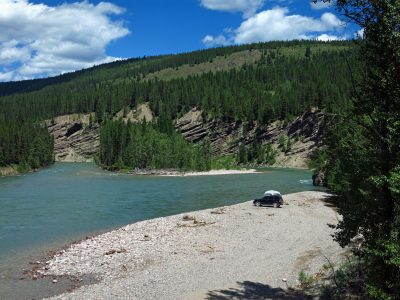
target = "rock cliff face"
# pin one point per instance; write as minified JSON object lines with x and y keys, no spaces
{"x":304,"y":135}
{"x":75,"y":140}
{"x":141,"y":113}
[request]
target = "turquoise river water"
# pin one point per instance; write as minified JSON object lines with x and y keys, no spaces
{"x":68,"y":201}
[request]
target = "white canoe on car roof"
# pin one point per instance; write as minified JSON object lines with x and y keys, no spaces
{"x":272,"y":192}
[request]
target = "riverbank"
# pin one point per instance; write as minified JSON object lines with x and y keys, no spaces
{"x":14,"y":170}
{"x":175,"y":173}
{"x":9,"y":171}
{"x":204,"y":253}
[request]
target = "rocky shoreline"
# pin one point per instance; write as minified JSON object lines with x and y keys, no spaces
{"x":197,"y":254}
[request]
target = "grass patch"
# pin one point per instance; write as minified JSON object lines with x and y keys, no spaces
{"x":306,"y":280}
{"x":219,"y":63}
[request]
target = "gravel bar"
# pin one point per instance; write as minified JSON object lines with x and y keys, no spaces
{"x":196,"y":255}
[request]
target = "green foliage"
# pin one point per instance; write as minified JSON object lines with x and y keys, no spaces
{"x":377,"y":293}
{"x":364,"y":148}
{"x":305,"y":280}
{"x":282,"y":141}
{"x":346,"y":282}
{"x":224,"y":162}
{"x":24,"y":144}
{"x":283,"y":83}
{"x":242,"y":154}
{"x":23,"y":167}
{"x":202,"y":157}
{"x":257,"y":153}
{"x":319,"y":160}
{"x":289,"y":144}
{"x":259,"y":92}
{"x":288,"y":119}
{"x":308,"y":52}
{"x":270,"y":154}
{"x":144,"y":146}
{"x":394,"y":181}
{"x":319,"y":163}
{"x":91,"y":121}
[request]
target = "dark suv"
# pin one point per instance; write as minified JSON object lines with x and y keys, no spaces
{"x":269,"y":199}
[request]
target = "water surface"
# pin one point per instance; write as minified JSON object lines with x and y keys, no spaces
{"x":68,"y":201}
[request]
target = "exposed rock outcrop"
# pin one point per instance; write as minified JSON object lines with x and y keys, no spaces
{"x":303,"y":133}
{"x":141,"y":113}
{"x":75,"y":139}
{"x":319,"y":179}
{"x":224,"y":136}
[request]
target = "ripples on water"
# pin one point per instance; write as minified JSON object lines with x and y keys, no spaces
{"x":70,"y":200}
{"x":308,"y":182}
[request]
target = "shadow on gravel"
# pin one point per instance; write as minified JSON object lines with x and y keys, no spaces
{"x":331,"y":201}
{"x":253,"y":290}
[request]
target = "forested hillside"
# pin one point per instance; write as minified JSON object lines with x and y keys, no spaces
{"x":24,"y":144}
{"x":252,"y":84}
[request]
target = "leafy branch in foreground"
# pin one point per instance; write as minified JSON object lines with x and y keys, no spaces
{"x":364,"y":148}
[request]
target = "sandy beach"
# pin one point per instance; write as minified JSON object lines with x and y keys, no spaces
{"x":229,"y":252}
{"x":215,"y":172}
{"x":172,"y":173}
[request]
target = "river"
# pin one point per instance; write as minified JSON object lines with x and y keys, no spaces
{"x":68,"y":201}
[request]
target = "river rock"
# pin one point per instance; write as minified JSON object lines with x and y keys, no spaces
{"x":319,"y":179}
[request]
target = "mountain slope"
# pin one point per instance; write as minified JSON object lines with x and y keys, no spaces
{"x":77,"y":140}
{"x":248,"y":101}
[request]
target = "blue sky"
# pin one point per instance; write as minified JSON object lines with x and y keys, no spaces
{"x":44,"y":38}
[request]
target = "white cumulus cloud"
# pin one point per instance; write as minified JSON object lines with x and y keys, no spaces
{"x":277,"y":24}
{"x":359,"y":34}
{"x":40,"y":40}
{"x":320,"y":4}
{"x":247,"y":7}
{"x":10,"y":52}
{"x":327,"y":37}
{"x":212,"y":41}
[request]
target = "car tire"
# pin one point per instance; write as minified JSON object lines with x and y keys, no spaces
{"x":275,"y":205}
{"x":257,"y":203}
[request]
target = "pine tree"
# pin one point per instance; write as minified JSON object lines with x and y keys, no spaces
{"x":365,"y":151}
